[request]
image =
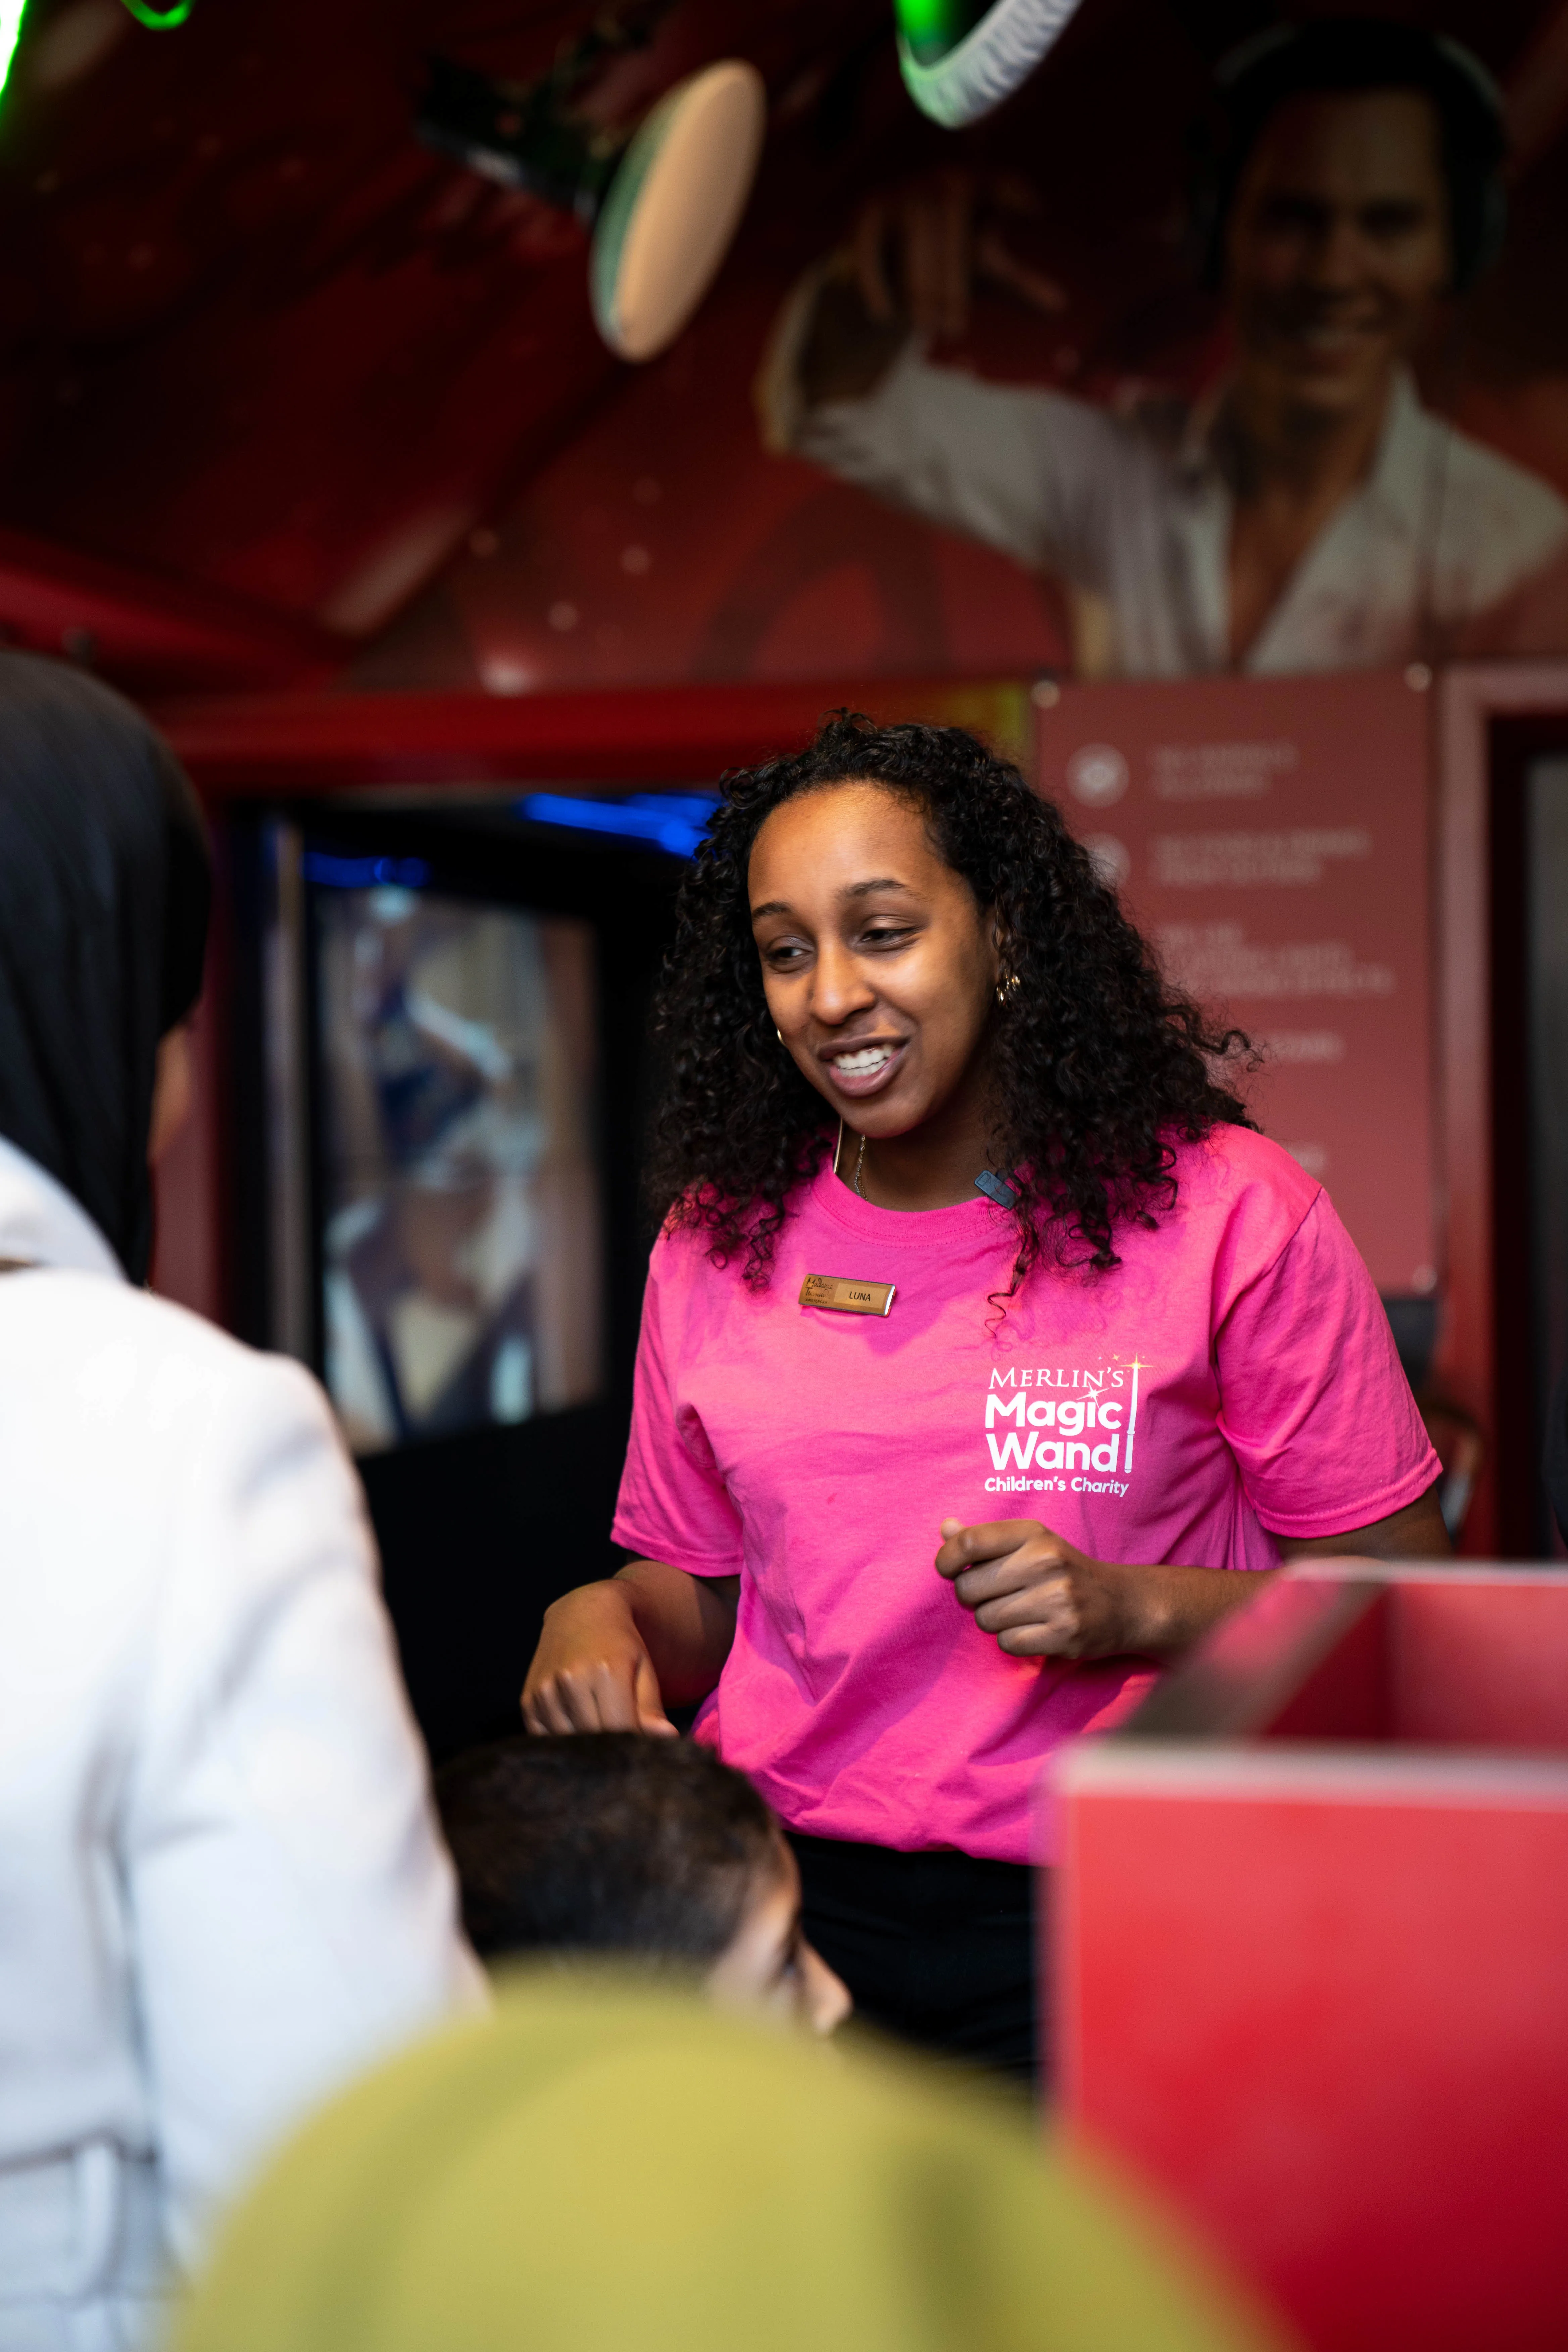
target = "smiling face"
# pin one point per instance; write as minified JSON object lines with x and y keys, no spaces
{"x":880,"y":968}
{"x":1337,"y":245}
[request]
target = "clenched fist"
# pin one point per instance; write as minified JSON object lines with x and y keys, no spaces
{"x":1043,"y":1599}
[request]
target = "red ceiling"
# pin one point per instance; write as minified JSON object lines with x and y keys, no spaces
{"x":257,"y":340}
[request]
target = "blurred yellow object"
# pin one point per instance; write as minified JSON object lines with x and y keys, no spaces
{"x":602,"y":2165}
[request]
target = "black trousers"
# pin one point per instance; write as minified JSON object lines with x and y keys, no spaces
{"x":938,"y":1949}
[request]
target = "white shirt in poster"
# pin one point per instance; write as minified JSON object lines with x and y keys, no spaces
{"x":1135,"y":511}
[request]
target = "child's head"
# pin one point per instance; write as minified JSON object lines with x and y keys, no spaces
{"x":612,"y":1843}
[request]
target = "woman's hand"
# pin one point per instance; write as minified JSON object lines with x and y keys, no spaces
{"x":611,"y":1653}
{"x":1043,"y":1598}
{"x":592,"y":1671}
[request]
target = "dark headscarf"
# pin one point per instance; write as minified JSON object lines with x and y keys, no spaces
{"x":105,"y":882}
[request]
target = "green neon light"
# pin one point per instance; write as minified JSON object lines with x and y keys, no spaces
{"x":157,"y":20}
{"x":933,"y":27}
{"x":10,"y":33}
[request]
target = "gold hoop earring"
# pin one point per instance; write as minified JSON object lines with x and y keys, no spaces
{"x":778,"y":1032}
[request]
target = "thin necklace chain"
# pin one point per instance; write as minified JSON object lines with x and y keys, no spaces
{"x":982,"y":1182}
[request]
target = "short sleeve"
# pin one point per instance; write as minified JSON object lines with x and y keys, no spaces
{"x":1313,"y":1401}
{"x":672,"y":1505}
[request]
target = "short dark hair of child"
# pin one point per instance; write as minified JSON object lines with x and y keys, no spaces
{"x":605,"y":1842}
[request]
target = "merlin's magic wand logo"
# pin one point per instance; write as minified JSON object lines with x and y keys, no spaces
{"x":1063,"y":1430}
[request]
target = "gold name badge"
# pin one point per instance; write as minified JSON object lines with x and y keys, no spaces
{"x":849,"y":1297}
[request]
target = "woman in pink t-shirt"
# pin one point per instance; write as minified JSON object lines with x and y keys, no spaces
{"x":984,"y":1344}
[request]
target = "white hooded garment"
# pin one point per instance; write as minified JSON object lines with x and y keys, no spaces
{"x":221,"y":1890}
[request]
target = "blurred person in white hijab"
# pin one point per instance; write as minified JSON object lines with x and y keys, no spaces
{"x":221,"y":1890}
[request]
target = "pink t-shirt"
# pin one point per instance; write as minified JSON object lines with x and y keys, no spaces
{"x":1234,"y":1378}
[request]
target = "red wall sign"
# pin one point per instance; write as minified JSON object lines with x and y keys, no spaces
{"x":1269,"y":837}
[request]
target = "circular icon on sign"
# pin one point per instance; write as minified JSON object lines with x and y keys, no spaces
{"x":1097,"y":775}
{"x":1110,"y":858}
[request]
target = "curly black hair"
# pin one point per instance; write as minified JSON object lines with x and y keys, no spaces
{"x":1098,"y":1066}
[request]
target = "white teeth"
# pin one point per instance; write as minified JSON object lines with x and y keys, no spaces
{"x":856,"y":1066}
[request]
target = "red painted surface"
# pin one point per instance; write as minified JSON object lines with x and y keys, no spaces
{"x":1315,"y":1990}
{"x":306,"y":744}
{"x":150,"y":634}
{"x":1349,"y":2058}
{"x":1445,"y":1663}
{"x":259,"y":335}
{"x":254,"y":336}
{"x":1480,"y":1666}
{"x":1272,"y":837}
{"x":663,"y":543}
{"x":1350,"y":1695}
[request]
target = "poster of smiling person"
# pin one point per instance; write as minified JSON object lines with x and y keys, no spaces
{"x":1307,"y":511}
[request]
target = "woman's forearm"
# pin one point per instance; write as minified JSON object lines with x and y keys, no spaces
{"x":1177,"y":1606}
{"x":1169,"y":1609}
{"x":687,"y":1624}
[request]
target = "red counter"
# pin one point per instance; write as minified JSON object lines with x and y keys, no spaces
{"x":1312,"y":1952}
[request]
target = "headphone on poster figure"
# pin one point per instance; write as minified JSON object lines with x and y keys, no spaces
{"x":1350,"y":54}
{"x":960,"y":58}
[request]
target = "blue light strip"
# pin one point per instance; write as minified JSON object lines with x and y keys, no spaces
{"x":364,"y":873}
{"x":673,"y":822}
{"x":698,"y":808}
